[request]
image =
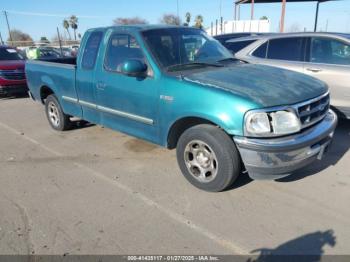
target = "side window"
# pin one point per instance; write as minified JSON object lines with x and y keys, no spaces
{"x":122,"y":47}
{"x":234,"y":47}
{"x":91,"y":50}
{"x":291,"y":48}
{"x":329,"y":51}
{"x":261,"y":51}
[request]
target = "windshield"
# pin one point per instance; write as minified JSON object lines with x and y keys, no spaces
{"x":9,"y":54}
{"x":174,"y":47}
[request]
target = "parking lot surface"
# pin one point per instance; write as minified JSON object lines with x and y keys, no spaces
{"x":92,"y":190}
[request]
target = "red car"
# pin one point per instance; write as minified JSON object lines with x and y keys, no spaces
{"x":12,"y":76}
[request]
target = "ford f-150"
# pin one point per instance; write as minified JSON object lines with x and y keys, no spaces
{"x":179,"y":88}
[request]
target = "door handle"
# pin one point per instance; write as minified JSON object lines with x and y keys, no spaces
{"x":100,"y":85}
{"x":314,"y":70}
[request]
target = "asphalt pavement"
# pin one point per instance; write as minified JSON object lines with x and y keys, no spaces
{"x":92,"y":190}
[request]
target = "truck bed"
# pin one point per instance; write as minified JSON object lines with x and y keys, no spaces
{"x":59,"y":76}
{"x":61,"y":60}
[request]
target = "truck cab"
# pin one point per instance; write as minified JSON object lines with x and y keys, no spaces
{"x":179,"y":88}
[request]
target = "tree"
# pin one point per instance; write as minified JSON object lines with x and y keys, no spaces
{"x":264,"y":17}
{"x":73,"y":21}
{"x":20,"y":38}
{"x":188,"y":19}
{"x":199,"y":21}
{"x":170,"y":19}
{"x":44,"y":40}
{"x":129,"y":21}
{"x":66,"y":25}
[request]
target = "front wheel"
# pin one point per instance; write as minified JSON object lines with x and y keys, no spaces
{"x":55,"y":115}
{"x":208,"y":158}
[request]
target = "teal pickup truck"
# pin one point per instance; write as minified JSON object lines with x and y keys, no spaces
{"x":179,"y":88}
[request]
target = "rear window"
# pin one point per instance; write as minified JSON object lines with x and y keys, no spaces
{"x":234,"y":47}
{"x":91,"y":50}
{"x":291,"y":49}
{"x":9,"y":54}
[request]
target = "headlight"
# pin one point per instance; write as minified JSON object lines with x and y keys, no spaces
{"x":265,"y":124}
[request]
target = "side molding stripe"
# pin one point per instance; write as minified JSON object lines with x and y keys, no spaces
{"x":138,"y":118}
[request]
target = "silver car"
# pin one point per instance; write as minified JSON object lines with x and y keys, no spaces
{"x":325,"y":56}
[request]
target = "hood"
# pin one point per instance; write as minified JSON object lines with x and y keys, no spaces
{"x":11,"y":64}
{"x":265,"y":85}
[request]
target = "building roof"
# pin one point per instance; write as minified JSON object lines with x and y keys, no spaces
{"x":277,"y":1}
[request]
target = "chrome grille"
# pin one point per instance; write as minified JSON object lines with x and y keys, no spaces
{"x":17,"y":74}
{"x":313,"y":110}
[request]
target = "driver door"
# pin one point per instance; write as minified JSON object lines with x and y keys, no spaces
{"x":127,"y":103}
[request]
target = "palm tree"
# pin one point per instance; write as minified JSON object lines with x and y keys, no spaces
{"x":199,"y":21}
{"x":73,"y":20}
{"x":188,"y":18}
{"x":66,"y":26}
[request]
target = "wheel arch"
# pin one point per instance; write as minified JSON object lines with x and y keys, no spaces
{"x":45,"y":91}
{"x":182,"y":124}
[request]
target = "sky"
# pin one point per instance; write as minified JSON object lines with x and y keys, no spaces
{"x":333,"y":16}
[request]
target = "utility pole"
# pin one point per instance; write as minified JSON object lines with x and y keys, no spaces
{"x":8,"y":27}
{"x":59,"y":41}
{"x":283,"y":13}
{"x":316,"y":16}
{"x":177,"y":10}
{"x":2,"y":41}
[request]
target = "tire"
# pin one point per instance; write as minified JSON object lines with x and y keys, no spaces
{"x":57,"y":118}
{"x":208,"y":158}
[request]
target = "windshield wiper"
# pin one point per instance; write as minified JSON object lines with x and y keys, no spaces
{"x":179,"y":66}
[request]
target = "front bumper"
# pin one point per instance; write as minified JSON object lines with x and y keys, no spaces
{"x":273,"y":158}
{"x":13,"y":89}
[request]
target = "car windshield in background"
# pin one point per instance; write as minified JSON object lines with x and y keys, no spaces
{"x":184,"y":48}
{"x":9,"y":54}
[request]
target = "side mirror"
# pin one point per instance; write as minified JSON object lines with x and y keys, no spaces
{"x":134,"y":67}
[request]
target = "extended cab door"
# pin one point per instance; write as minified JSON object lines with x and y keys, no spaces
{"x":85,"y":78}
{"x":329,"y":61}
{"x":127,"y":103}
{"x":288,"y":53}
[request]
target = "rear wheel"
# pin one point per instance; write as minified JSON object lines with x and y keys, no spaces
{"x":208,"y":158}
{"x":55,"y":115}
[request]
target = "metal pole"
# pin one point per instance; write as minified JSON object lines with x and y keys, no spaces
{"x":2,"y":41}
{"x":8,"y":27}
{"x":177,"y":10}
{"x":239,"y":12}
{"x":59,"y":41}
{"x":316,"y":18}
{"x":221,"y":25}
{"x":216,"y":27}
{"x":252,"y":11}
{"x":235,"y":14}
{"x":283,"y":15}
{"x":211,"y":28}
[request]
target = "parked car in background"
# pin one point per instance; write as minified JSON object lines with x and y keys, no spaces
{"x":325,"y":56}
{"x":225,"y":37}
{"x":43,"y":52}
{"x":236,"y":41}
{"x":66,"y":51}
{"x":179,"y":88}
{"x":12,"y":76}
